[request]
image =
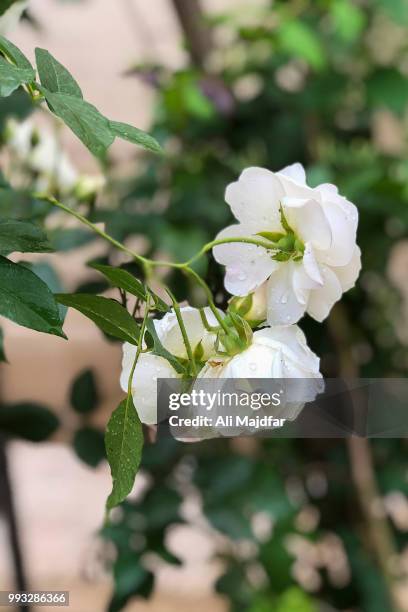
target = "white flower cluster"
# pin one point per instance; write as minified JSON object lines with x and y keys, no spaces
{"x":301,"y":256}
{"x":37,"y":160}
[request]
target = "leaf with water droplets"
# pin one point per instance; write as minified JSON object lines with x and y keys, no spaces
{"x":124,"y":444}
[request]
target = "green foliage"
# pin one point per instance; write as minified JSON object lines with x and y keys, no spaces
{"x":26,"y":300}
{"x":298,"y":40}
{"x":28,"y":421}
{"x":109,"y":315}
{"x":14,"y":54}
{"x":23,"y":237}
{"x":89,"y":445}
{"x":11,"y":77}
{"x":134,"y":135}
{"x":83,"y":119}
{"x":84,"y":395}
{"x":122,"y":279}
{"x":54,"y":77}
{"x":124,"y":443}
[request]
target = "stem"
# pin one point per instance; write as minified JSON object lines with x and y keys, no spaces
{"x":41,"y":196}
{"x":266,"y":244}
{"x":197,"y":33}
{"x":140,"y":345}
{"x":209,"y":296}
{"x":362,"y":467}
{"x":148,"y":263}
{"x":183,"y":330}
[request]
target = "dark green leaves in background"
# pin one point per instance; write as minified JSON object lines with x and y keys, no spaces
{"x":89,"y":445}
{"x":84,"y":394}
{"x":124,"y":443}
{"x":109,"y":315}
{"x":22,"y":237}
{"x":28,"y":421}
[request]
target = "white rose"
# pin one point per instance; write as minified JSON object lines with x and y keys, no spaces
{"x":324,"y":261}
{"x":151,"y":367}
{"x":275,"y":353}
{"x":11,"y":17}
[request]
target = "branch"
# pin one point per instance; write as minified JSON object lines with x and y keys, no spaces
{"x":362,"y":467}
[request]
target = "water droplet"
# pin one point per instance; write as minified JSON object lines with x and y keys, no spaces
{"x":284,"y":299}
{"x":288,"y":318}
{"x":242,"y":276}
{"x":252,"y":366}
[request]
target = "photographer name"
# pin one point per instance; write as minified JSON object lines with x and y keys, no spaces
{"x":236,"y":420}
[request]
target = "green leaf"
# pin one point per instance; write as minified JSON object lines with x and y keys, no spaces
{"x":48,"y":275}
{"x":124,"y":443}
{"x":295,"y":599}
{"x":388,"y":88}
{"x":11,"y":77}
{"x":348,"y":19}
{"x":158,"y":348}
{"x":122,"y":279}
{"x":28,"y":421}
{"x":89,"y":445}
{"x":67,"y":239}
{"x":298,"y":40}
{"x":23,"y":237}
{"x":54,"y":76}
{"x":395,"y":9}
{"x":2,"y":353}
{"x":84,"y":394}
{"x":108,"y":315}
{"x":136,"y":136}
{"x":125,"y":280}
{"x":26,"y":300}
{"x":14,"y":54}
{"x":83,"y":119}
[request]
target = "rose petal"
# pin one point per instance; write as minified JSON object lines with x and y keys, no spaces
{"x":170,"y":335}
{"x":254,"y":199}
{"x":144,"y":384}
{"x":307,"y":219}
{"x":321,"y":300}
{"x":248,"y":266}
{"x":348,"y":274}
{"x":295,"y":172}
{"x":342,"y":216}
{"x":283,"y":306}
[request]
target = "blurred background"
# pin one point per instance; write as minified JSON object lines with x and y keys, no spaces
{"x":282,"y":525}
